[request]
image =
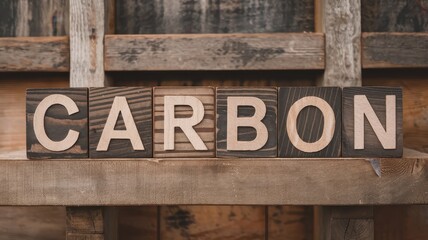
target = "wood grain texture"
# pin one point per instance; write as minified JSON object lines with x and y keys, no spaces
{"x":140,"y":103}
{"x":86,"y":43}
{"x":394,"y":15}
{"x":33,"y":18}
{"x":214,"y":181}
{"x":214,"y":52}
{"x":205,"y":129}
{"x":212,"y":222}
{"x":58,"y":123}
{"x":342,"y":42}
{"x":348,"y":229}
{"x":34,"y":54}
{"x":290,"y":222}
{"x":222,"y":16}
{"x":269,"y":98}
{"x":309,"y":122}
{"x":135,"y":223}
{"x":372,"y":146}
{"x":91,"y":223}
{"x":395,"y":50}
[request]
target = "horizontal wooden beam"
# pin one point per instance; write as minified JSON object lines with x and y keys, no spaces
{"x":44,"y":54}
{"x":395,"y":50}
{"x":215,"y":181}
{"x":214,"y":52}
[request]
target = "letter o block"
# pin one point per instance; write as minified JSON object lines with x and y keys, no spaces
{"x":309,"y":122}
{"x":183,"y":122}
{"x":246,"y":122}
{"x":57,"y":123}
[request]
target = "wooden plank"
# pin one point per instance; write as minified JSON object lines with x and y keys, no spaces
{"x":33,"y":18}
{"x":311,"y":124}
{"x":214,"y":181}
{"x":34,"y":54}
{"x":214,"y":52}
{"x":342,"y":42}
{"x":135,"y":223}
{"x":394,"y":16}
{"x":222,"y":16}
{"x":290,"y":222}
{"x":348,"y":229}
{"x":246,"y":133}
{"x":212,"y":222}
{"x":395,"y":50}
{"x":86,"y":43}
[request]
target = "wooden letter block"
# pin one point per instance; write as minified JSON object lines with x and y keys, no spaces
{"x":309,"y":122}
{"x":372,"y":122}
{"x":183,"y":122}
{"x":246,"y":122}
{"x":57,"y":123}
{"x":120,"y":122}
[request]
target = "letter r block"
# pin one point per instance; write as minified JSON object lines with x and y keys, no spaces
{"x":57,"y":123}
{"x":309,"y":122}
{"x":120,"y":129}
{"x":246,"y":122}
{"x":184,"y":122}
{"x":372,"y":122}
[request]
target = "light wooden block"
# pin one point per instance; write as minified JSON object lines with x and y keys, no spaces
{"x":309,"y":122}
{"x":366,"y":131}
{"x":56,"y":133}
{"x":203,"y":135}
{"x":137,"y":128}
{"x":255,"y":138}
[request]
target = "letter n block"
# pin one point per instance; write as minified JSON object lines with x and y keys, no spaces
{"x":57,"y":123}
{"x":372,"y":122}
{"x":120,"y":122}
{"x":184,"y":123}
{"x":309,"y":122}
{"x":246,"y":122}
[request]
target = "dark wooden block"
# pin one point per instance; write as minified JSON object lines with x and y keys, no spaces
{"x":267,"y":148}
{"x":139,"y":101}
{"x":205,"y":129}
{"x":309,"y":122}
{"x":58,"y":123}
{"x":372,"y":145}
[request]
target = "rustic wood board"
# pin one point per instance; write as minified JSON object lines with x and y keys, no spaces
{"x":136,"y":223}
{"x":140,"y":104}
{"x":34,"y":54}
{"x":205,"y":129}
{"x":214,"y":52}
{"x":269,"y":98}
{"x":58,"y":123}
{"x":309,"y":122}
{"x":395,"y":50}
{"x":372,"y":145}
{"x":290,"y":222}
{"x":394,"y":16}
{"x":214,"y":181}
{"x":223,"y":16}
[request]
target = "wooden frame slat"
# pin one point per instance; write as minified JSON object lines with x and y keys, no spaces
{"x":395,"y":50}
{"x":44,"y":54}
{"x":214,"y":181}
{"x":214,"y":52}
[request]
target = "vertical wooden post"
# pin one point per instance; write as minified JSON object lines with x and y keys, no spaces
{"x":340,"y":20}
{"x":87,"y":28}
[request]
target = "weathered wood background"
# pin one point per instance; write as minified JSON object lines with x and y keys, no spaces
{"x":50,"y":18}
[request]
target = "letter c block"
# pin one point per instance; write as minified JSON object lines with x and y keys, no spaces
{"x":57,"y":123}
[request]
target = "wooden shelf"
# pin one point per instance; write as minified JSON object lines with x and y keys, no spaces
{"x":42,"y":54}
{"x":215,"y":181}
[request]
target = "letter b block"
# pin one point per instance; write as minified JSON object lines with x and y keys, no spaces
{"x":372,"y":122}
{"x":183,"y":122}
{"x":246,"y":122}
{"x":57,"y":123}
{"x":309,"y":122}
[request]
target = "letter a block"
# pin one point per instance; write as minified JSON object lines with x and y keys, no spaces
{"x":309,"y":122}
{"x":372,"y":122}
{"x":183,"y":122}
{"x":120,"y":122}
{"x":246,"y":122}
{"x":57,"y":123}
